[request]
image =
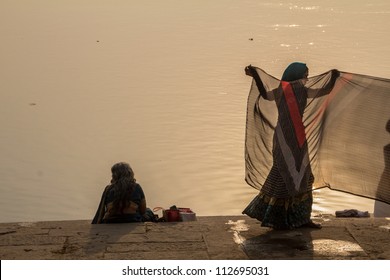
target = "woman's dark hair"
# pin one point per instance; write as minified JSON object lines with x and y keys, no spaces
{"x":123,"y":184}
{"x":121,"y":170}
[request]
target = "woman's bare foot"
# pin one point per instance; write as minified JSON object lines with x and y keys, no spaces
{"x":312,"y":224}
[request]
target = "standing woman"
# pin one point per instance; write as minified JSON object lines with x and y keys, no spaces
{"x":285,"y":199}
{"x":123,"y":201}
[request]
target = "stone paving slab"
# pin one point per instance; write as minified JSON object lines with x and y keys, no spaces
{"x":215,"y":238}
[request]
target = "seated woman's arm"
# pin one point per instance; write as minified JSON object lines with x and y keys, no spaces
{"x":142,"y":206}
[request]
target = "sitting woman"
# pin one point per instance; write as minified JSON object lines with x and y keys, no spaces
{"x":123,"y":201}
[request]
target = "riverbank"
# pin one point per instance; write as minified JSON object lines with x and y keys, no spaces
{"x":208,"y":238}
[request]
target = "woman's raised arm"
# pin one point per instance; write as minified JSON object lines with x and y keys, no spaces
{"x":327,"y":88}
{"x":268,"y":95}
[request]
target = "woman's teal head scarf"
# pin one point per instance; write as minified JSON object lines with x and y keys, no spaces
{"x":294,"y":71}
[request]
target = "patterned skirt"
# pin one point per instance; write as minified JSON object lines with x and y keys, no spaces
{"x":281,"y":213}
{"x":275,"y":208}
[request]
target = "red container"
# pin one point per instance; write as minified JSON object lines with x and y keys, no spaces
{"x":171,"y":215}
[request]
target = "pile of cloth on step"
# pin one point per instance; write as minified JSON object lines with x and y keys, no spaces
{"x":352,"y":213}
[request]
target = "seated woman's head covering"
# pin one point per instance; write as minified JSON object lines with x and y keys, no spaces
{"x":294,"y":71}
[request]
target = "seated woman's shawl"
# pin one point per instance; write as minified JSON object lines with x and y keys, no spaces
{"x":347,"y":132}
{"x":108,"y":196}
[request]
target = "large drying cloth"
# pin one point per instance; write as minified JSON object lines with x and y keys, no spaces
{"x":339,"y":132}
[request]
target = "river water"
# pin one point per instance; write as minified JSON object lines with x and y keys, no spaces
{"x":161,"y":85}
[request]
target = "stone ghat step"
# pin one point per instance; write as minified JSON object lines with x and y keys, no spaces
{"x":208,"y":238}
